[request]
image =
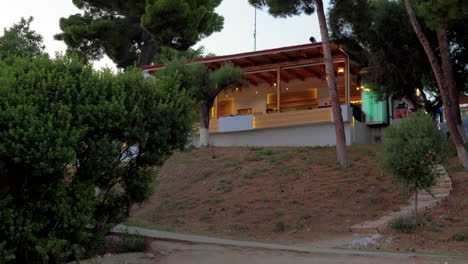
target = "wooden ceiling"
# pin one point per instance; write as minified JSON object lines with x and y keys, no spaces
{"x":296,"y":63}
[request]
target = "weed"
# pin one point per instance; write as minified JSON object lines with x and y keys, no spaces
{"x":251,"y":174}
{"x":450,"y":218}
{"x":214,"y":156}
{"x":265,"y":152}
{"x":179,"y":222}
{"x":133,"y":243}
{"x":224,"y":186}
{"x":316,"y":147}
{"x":404,"y":224}
{"x":294,"y":201}
{"x":234,"y":163}
{"x":374,"y":199}
{"x":435,"y":225}
{"x":265,"y":198}
{"x":360,"y":190}
{"x":253,"y":157}
{"x":460,"y":236}
{"x":238,"y":211}
{"x":204,"y":217}
{"x":280,"y":226}
{"x":243,"y":183}
{"x":306,"y":216}
{"x":181,"y":160}
{"x":279,"y":212}
{"x":203,"y":176}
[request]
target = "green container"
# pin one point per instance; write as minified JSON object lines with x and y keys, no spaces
{"x":374,"y":109}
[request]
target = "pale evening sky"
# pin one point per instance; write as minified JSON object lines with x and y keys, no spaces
{"x":236,"y":37}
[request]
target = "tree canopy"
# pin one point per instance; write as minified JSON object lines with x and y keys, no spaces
{"x":21,"y":40}
{"x":77,"y":149}
{"x":130,"y":32}
{"x":381,"y":37}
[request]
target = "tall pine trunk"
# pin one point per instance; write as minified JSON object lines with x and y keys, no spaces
{"x":204,"y":123}
{"x":450,"y":81}
{"x":148,"y":49}
{"x":448,"y":106}
{"x":335,"y":101}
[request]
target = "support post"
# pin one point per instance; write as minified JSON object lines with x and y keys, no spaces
{"x":278,"y":90}
{"x":348,"y":82}
{"x":216,"y":108}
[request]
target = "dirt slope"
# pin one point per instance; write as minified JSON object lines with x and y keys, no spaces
{"x":283,"y":194}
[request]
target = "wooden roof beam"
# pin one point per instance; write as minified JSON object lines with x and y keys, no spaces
{"x":250,"y":80}
{"x":295,"y":74}
{"x":273,"y":75}
{"x":312,"y":72}
{"x":269,"y":66}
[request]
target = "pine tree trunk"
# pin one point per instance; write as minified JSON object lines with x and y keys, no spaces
{"x":148,"y":50}
{"x":335,"y":101}
{"x":449,"y":78}
{"x":416,"y":207}
{"x":204,"y":124}
{"x":447,"y":103}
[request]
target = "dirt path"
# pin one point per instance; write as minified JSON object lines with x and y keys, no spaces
{"x":181,"y":253}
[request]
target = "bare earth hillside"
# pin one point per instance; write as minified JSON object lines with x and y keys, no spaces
{"x":279,"y":194}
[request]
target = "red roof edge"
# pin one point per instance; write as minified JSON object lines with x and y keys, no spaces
{"x":245,"y":54}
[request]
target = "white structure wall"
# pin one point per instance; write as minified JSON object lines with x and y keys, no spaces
{"x":319,"y":134}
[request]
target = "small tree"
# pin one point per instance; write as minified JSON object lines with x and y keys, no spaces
{"x":411,"y":150}
{"x":203,"y":85}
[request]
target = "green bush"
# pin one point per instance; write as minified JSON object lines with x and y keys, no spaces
{"x":412,"y":148}
{"x":69,"y":166}
{"x":460,"y":236}
{"x":404,"y":224}
{"x":280,"y":226}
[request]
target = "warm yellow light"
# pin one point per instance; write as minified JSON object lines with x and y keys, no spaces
{"x":237,"y":88}
{"x":418,"y":92}
{"x":274,"y":84}
{"x":287,"y":88}
{"x":340,"y":70}
{"x":256,"y":92}
{"x":357,"y":88}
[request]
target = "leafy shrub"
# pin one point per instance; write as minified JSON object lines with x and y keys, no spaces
{"x":280,"y":226}
{"x":460,"y":236}
{"x":411,"y":150}
{"x":404,"y":224}
{"x":69,"y":168}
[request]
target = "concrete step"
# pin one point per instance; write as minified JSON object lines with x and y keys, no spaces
{"x":428,"y":197}
{"x":436,"y":191}
{"x":364,"y":229}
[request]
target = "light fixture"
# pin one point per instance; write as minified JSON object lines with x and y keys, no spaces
{"x":418,"y":92}
{"x":287,"y":88}
{"x":237,"y":88}
{"x":256,"y":92}
{"x":357,"y":88}
{"x":340,"y":70}
{"x":274,"y":84}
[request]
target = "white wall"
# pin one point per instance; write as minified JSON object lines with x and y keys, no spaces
{"x":304,"y":135}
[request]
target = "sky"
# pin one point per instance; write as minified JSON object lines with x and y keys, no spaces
{"x":236,"y":37}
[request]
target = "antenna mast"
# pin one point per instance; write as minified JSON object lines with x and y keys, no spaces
{"x":255,"y":30}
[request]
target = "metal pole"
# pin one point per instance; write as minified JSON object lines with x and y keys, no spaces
{"x":255,"y":30}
